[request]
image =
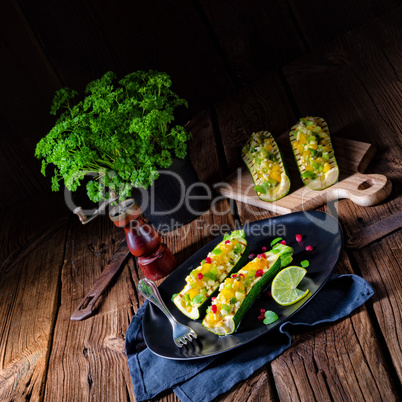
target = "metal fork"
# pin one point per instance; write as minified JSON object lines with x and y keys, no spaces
{"x":181,"y":333}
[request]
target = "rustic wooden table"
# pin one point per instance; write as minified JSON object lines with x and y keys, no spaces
{"x":49,"y":260}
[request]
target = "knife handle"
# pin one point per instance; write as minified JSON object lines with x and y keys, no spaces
{"x":118,"y":259}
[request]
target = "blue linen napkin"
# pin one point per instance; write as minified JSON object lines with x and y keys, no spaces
{"x":204,"y":379}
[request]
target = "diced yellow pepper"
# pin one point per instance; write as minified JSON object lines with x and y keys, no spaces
{"x":192,"y":293}
{"x":276,"y":176}
{"x":313,"y":146}
{"x":227,"y":293}
{"x":301,"y":137}
{"x":326,"y":168}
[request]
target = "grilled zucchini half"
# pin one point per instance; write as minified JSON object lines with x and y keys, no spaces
{"x":203,"y":282}
{"x":239,"y":292}
{"x":314,"y":154}
{"x":265,"y":163}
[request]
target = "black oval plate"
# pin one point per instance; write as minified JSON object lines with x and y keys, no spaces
{"x":319,"y":230}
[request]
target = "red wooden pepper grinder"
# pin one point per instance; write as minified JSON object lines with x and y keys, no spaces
{"x":154,"y":257}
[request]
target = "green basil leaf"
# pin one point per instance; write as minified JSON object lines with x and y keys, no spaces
{"x":198,"y":299}
{"x":270,"y":317}
{"x":276,"y":240}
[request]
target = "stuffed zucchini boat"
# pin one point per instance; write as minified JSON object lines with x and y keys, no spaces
{"x":265,"y":163}
{"x":203,"y":282}
{"x":314,"y":154}
{"x":239,"y":292}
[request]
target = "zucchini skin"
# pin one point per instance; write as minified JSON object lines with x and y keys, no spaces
{"x":271,"y":193}
{"x":327,"y":179}
{"x":201,"y":309}
{"x":284,"y":257}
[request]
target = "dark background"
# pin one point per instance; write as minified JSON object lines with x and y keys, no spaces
{"x":211,"y":49}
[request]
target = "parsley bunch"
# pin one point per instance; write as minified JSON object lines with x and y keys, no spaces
{"x":119,"y":134}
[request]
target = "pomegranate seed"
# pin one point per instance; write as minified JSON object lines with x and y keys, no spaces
{"x":214,"y":308}
{"x":283,"y":242}
{"x":309,"y":248}
{"x":261,"y":317}
{"x":260,"y":272}
{"x":299,"y":238}
{"x":268,"y":293}
{"x":227,"y":242}
{"x":264,"y":249}
{"x":241,"y":276}
{"x":261,"y":256}
{"x":213,"y":298}
{"x":200,"y":275}
{"x":251,"y":256}
{"x":262,"y":310}
{"x":234,"y":276}
{"x":208,"y":260}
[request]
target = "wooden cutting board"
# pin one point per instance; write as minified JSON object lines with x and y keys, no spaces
{"x":353,"y":158}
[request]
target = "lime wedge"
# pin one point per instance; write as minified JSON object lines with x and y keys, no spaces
{"x":284,"y":286}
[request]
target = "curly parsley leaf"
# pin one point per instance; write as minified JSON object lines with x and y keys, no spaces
{"x":120,"y":134}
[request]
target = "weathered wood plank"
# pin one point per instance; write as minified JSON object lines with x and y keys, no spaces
{"x":380,"y":264}
{"x":289,"y":369}
{"x":27,"y":85}
{"x":84,"y":39}
{"x":86,"y":355}
{"x":360,"y":75}
{"x":29,"y":289}
{"x":340,"y":361}
{"x":78,"y":357}
{"x":321,"y":22}
{"x":254,"y":36}
{"x":264,"y":105}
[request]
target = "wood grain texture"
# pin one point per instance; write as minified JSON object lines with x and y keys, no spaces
{"x":84,"y":354}
{"x":340,"y":361}
{"x":27,"y":85}
{"x":84,"y":39}
{"x":365,"y":65}
{"x":321,"y":22}
{"x":353,"y":82}
{"x":261,"y":106}
{"x":254,"y":37}
{"x":29,"y":286}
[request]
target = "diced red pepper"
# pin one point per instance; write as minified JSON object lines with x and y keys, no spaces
{"x":208,"y":260}
{"x":283,"y":242}
{"x":260,"y":272}
{"x":299,"y":238}
{"x":200,"y":275}
{"x":214,"y":309}
{"x":309,"y":248}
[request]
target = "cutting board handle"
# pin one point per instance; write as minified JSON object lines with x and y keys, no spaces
{"x":365,"y":189}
